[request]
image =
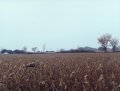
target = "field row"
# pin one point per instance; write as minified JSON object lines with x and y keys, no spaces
{"x":60,"y":72}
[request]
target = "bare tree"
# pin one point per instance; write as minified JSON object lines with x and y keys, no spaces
{"x":104,"y":41}
{"x":34,"y":49}
{"x":44,"y":47}
{"x":24,"y":49}
{"x":114,"y":43}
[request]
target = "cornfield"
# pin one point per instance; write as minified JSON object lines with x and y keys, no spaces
{"x":60,"y":72}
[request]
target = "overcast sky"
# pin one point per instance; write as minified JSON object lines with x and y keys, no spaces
{"x":57,"y":23}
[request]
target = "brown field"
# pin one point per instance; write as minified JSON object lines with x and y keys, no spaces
{"x":60,"y":72}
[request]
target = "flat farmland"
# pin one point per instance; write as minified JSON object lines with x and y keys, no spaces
{"x":60,"y":72}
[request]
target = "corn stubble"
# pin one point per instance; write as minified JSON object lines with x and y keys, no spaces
{"x":60,"y":72}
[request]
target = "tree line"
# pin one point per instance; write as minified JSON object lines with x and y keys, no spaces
{"x":24,"y":50}
{"x":107,"y":44}
{"x":106,"y":41}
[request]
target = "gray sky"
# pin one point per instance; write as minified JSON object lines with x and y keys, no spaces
{"x":57,"y":23}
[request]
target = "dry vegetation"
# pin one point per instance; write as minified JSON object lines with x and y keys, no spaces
{"x":60,"y":72}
